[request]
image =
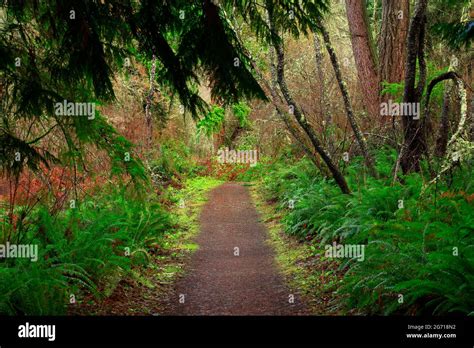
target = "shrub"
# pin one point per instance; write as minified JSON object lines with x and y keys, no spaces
{"x":78,"y":249}
{"x":419,"y":254}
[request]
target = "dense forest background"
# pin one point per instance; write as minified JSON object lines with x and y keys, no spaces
{"x":360,"y":111}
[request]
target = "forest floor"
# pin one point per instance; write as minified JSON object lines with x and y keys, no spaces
{"x":233,"y":272}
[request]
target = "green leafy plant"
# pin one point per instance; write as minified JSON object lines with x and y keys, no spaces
{"x":78,"y":250}
{"x":419,"y":257}
{"x":212,"y":122}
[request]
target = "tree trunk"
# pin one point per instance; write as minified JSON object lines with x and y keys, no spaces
{"x":470,"y":107}
{"x":295,"y":110}
{"x":347,"y":104}
{"x":443,"y":133}
{"x":459,"y":147}
{"x":324,"y":104}
{"x":337,"y":175}
{"x":293,"y":128}
{"x":392,"y":40}
{"x":277,"y":102}
{"x":364,"y":55}
{"x":414,"y":139}
{"x":149,"y":97}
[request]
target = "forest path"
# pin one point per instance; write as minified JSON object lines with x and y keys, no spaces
{"x":218,"y":282}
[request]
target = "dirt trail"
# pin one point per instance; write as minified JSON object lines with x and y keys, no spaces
{"x":219,"y":283}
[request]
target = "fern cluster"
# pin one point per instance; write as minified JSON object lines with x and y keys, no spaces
{"x":419,"y":250}
{"x":78,"y":250}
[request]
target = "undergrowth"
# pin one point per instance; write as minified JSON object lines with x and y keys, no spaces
{"x":419,"y":250}
{"x":84,"y":251}
{"x":78,"y":249}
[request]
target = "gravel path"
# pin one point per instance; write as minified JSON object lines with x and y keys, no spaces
{"x":217,"y":281}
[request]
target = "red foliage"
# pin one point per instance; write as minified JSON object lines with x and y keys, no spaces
{"x":224,"y":171}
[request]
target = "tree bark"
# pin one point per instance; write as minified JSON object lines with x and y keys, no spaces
{"x":324,"y":104}
{"x":392,"y":40}
{"x":337,"y":175}
{"x":443,"y":133}
{"x":277,"y":102}
{"x":149,"y":97}
{"x":414,"y":138}
{"x":347,"y":104}
{"x":470,"y":107}
{"x":459,"y":148}
{"x":295,"y":110}
{"x":364,"y":55}
{"x":300,"y":137}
